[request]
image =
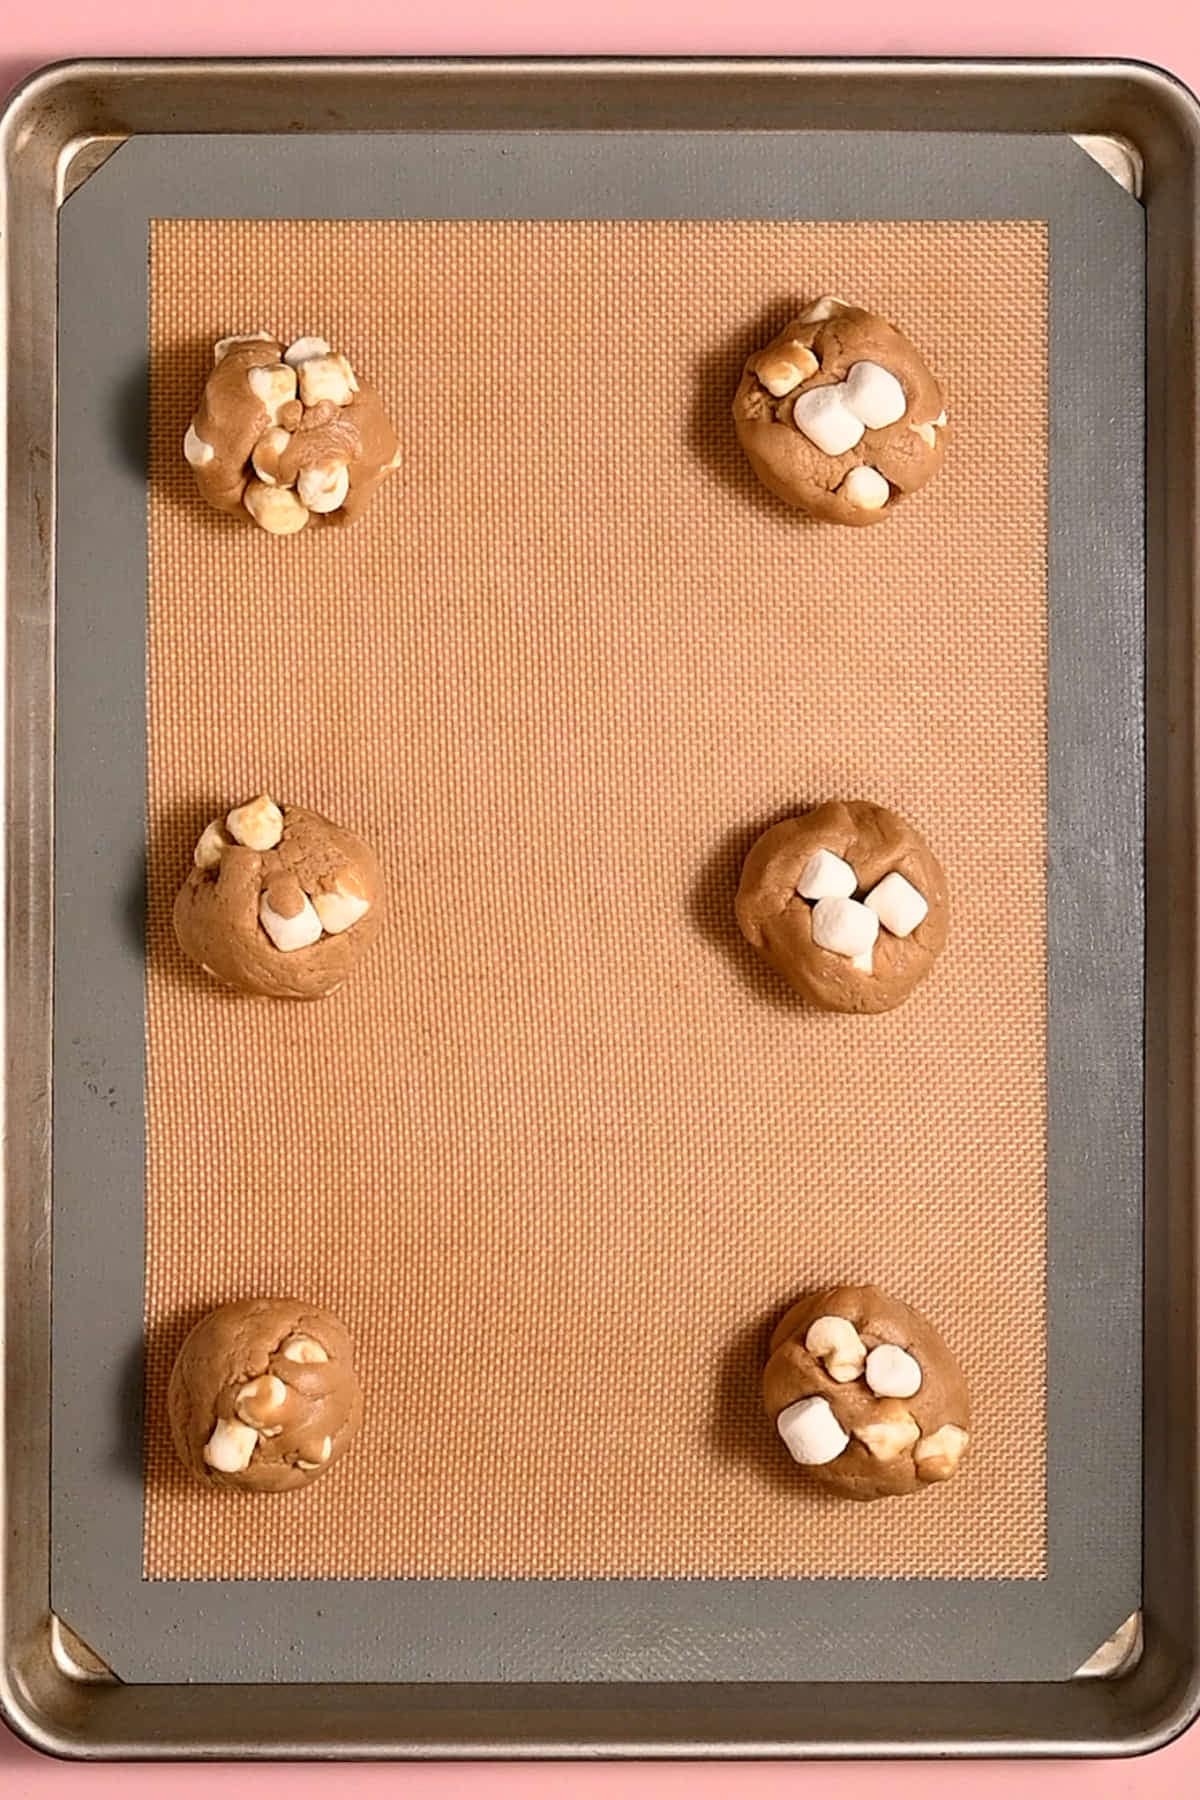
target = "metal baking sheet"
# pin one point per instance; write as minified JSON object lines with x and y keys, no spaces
{"x":718,"y":1643}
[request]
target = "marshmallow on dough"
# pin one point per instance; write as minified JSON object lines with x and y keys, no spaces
{"x":840,"y":415}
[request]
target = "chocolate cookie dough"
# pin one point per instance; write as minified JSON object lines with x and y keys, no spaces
{"x":263,"y":1396}
{"x":848,"y":903}
{"x":279,"y":901}
{"x":283,"y":434}
{"x":865,"y":1394}
{"x":840,"y":416}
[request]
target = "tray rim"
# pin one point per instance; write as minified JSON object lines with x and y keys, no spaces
{"x":71,"y":107}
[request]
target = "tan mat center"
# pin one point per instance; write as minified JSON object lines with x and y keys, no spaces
{"x":563,"y":1150}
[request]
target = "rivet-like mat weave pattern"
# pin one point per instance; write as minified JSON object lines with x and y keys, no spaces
{"x":563,"y":1150}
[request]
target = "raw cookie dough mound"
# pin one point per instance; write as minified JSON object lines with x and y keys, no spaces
{"x":263,"y":1396}
{"x":848,"y":903}
{"x":865,"y":1394}
{"x":840,"y":416}
{"x":279,"y":901}
{"x":281,"y":434}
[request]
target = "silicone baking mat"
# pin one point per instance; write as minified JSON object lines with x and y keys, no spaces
{"x":562,"y":1150}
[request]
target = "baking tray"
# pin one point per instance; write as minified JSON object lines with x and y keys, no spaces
{"x":1140,"y":125}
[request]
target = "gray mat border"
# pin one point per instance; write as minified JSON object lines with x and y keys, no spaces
{"x":610,"y":1630}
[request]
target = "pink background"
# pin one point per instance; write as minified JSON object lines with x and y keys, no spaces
{"x":1160,"y":31}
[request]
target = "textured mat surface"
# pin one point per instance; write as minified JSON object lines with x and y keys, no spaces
{"x":563,"y":1150}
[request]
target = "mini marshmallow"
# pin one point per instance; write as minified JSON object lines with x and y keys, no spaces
{"x":258,"y":824}
{"x":338,"y":912}
{"x":837,"y":1344}
{"x":275,"y":386}
{"x":826,"y":877}
{"x":844,"y":926}
{"x":278,"y":510}
{"x":786,"y":369}
{"x":296,"y":933}
{"x":326,"y":378}
{"x":866,"y":488}
{"x":822,"y":309}
{"x":213,"y":842}
{"x":898,"y":904}
{"x":938,"y":1455}
{"x":927,"y":435}
{"x":323,"y":487}
{"x":197,"y":452}
{"x":811,"y":1432}
{"x":258,"y":1402}
{"x":825,"y":419}
{"x":223,"y":346}
{"x":303,"y":1350}
{"x":874,"y":395}
{"x":304,"y":349}
{"x":264,"y":458}
{"x":230,"y":1447}
{"x":891,"y":1371}
{"x":887,"y":1439}
{"x":865,"y":964}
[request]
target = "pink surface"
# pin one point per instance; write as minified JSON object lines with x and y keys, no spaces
{"x":1161,"y":31}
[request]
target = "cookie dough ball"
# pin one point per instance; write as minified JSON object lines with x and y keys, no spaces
{"x":263,"y":1396}
{"x":865,"y":1394}
{"x":283,"y":434}
{"x":279,"y":901}
{"x":848,"y":903}
{"x":840,"y":416}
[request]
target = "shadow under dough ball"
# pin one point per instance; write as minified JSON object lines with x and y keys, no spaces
{"x":866,"y":1395}
{"x":280,"y":902}
{"x":263,"y":1396}
{"x":848,"y":903}
{"x":840,"y":416}
{"x":283,"y":435}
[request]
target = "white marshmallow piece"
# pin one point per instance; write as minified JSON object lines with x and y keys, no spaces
{"x":825,"y":419}
{"x":938,"y":1456}
{"x":196,"y":450}
{"x":326,"y":378}
{"x":230,"y":1447}
{"x":927,"y":435}
{"x":844,"y":926}
{"x":275,"y":386}
{"x":338,"y":912}
{"x":785,"y":370}
{"x":811,"y":1432}
{"x":899,"y":906}
{"x":264,"y":458}
{"x":303,"y":1350}
{"x":290,"y":934}
{"x":826,"y":877}
{"x":304,"y":349}
{"x":212,"y":844}
{"x":892,"y":1373}
{"x":258,"y":1402}
{"x":837,"y":1344}
{"x":223,"y":346}
{"x":867,"y":489}
{"x":874,"y":395}
{"x":276,"y":509}
{"x":323,"y":487}
{"x":824,"y":308}
{"x":258,"y":824}
{"x":887,"y":1439}
{"x":865,"y":964}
